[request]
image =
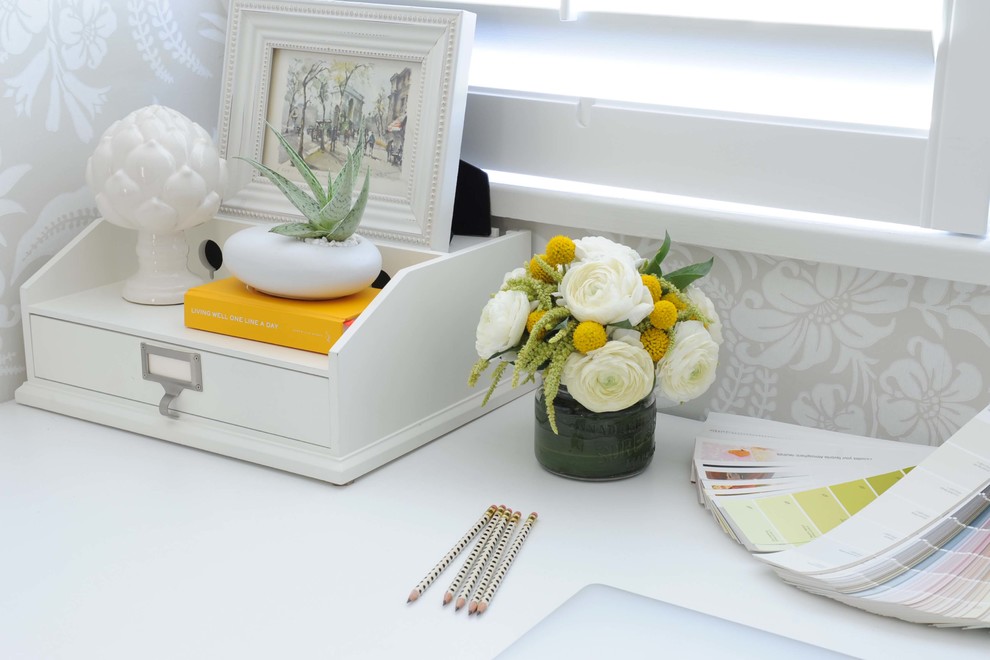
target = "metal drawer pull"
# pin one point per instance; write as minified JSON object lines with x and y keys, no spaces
{"x":174,"y":370}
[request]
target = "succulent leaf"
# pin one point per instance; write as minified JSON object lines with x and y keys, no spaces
{"x":350,"y":223}
{"x":349,"y":173}
{"x":330,"y":214}
{"x":303,"y":168}
{"x":306,"y":204}
{"x":335,"y":210}
{"x":297,"y":230}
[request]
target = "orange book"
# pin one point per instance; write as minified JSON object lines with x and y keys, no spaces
{"x":230,"y":307}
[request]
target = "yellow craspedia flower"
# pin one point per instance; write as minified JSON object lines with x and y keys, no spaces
{"x":560,"y":250}
{"x":537,"y":271}
{"x":589,"y":335}
{"x":653,"y":284}
{"x":533,"y":317}
{"x":656,"y":342}
{"x":664,"y":315}
{"x":675,"y":300}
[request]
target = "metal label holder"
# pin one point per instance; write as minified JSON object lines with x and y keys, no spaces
{"x":171,"y":360}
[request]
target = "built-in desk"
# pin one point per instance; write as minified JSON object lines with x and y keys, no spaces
{"x":114,"y":545}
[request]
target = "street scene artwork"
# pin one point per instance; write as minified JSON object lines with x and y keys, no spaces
{"x":326,"y":105}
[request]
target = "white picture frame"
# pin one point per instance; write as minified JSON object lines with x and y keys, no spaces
{"x":316,"y":70}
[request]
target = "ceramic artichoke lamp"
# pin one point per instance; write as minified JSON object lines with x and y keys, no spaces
{"x":158,"y":172}
{"x":321,"y":258}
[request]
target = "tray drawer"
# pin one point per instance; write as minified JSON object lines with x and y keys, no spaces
{"x":384,"y":389}
{"x":235,"y":391}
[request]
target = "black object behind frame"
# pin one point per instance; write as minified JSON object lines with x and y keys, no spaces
{"x":472,"y":215}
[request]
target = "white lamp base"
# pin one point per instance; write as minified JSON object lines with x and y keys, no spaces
{"x":162,"y":277}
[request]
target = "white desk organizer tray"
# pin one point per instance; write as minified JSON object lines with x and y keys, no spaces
{"x":395,"y":380}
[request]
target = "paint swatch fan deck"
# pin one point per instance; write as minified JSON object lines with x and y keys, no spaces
{"x":905,"y":534}
{"x":774,"y":486}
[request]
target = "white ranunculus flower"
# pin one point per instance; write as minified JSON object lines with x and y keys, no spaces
{"x":631,"y":337}
{"x":688,"y":368}
{"x":514,"y":275}
{"x":594,"y":248}
{"x":609,"y":378}
{"x":706,"y":307}
{"x":607,"y":291}
{"x":502,"y":323}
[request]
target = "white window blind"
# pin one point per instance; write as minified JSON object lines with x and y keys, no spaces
{"x":845,"y":110}
{"x":957,"y":175}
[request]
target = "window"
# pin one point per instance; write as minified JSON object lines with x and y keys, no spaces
{"x":824,"y":122}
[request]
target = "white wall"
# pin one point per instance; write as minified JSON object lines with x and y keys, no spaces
{"x":853,"y":349}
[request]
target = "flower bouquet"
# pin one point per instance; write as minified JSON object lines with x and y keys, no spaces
{"x":610,"y":326}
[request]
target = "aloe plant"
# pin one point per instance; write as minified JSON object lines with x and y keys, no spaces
{"x":329,"y":213}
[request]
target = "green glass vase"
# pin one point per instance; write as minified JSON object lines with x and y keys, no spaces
{"x":595,"y":446}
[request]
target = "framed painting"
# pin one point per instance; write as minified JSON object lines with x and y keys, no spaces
{"x":334,"y":77}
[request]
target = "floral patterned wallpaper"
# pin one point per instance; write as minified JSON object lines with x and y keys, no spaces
{"x":68,"y":69}
{"x":866,"y":352}
{"x":848,"y":349}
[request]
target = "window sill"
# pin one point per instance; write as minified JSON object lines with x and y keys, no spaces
{"x":712,"y":224}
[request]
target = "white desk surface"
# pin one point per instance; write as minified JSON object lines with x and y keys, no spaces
{"x":114,"y":545}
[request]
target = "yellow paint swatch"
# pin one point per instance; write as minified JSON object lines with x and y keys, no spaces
{"x":751,"y":522}
{"x":789,"y":518}
{"x":854,"y":495}
{"x":882,"y":482}
{"x":821,"y":506}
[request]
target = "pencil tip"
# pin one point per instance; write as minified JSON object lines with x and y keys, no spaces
{"x":472,"y":608}
{"x":459,"y":604}
{"x":447,"y":597}
{"x":482,"y":607}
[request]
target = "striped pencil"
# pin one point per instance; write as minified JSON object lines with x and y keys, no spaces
{"x":503,"y":568}
{"x":449,"y":557}
{"x":479,"y":566}
{"x":493,"y":564}
{"x":475,"y":551}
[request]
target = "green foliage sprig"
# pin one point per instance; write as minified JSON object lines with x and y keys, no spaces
{"x":681,"y":277}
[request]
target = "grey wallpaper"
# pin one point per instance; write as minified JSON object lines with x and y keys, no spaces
{"x":68,"y":69}
{"x":856,"y":350}
{"x":849,"y":349}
